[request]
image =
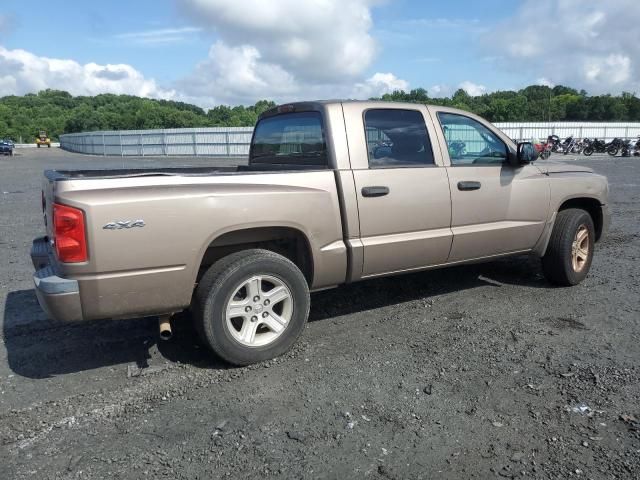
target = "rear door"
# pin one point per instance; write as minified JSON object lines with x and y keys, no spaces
{"x":497,"y":208}
{"x":402,"y":188}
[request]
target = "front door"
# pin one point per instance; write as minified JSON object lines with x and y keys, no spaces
{"x":497,"y":208}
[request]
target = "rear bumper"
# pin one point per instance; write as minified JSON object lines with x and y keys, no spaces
{"x":59,"y":297}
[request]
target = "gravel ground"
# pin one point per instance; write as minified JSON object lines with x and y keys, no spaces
{"x":473,"y":372}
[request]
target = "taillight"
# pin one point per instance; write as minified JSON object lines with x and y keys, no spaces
{"x":69,"y":234}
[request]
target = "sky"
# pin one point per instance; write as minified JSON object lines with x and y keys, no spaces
{"x":212,"y":52}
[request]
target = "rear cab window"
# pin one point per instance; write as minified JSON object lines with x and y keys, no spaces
{"x":290,"y":139}
{"x":397,"y":138}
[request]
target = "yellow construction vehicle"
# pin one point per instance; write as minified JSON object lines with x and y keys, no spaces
{"x":43,"y":139}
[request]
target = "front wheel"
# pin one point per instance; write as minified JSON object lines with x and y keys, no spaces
{"x":570,"y":251}
{"x":588,"y":151}
{"x":251,"y":306}
{"x":613,"y":151}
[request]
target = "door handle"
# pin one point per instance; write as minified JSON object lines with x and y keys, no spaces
{"x":469,"y":185}
{"x":375,"y":191}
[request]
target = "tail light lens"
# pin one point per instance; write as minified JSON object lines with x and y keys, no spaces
{"x":69,"y":233}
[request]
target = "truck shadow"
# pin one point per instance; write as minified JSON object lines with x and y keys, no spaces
{"x":39,"y":348}
{"x":376,"y":293}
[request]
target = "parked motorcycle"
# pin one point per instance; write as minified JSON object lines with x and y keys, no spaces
{"x":545,"y":149}
{"x":636,"y":148}
{"x":571,"y":145}
{"x":614,"y":146}
{"x":626,"y":148}
{"x":594,"y":146}
{"x":554,"y":142}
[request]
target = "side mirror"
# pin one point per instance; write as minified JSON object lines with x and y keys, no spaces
{"x":526,"y":153}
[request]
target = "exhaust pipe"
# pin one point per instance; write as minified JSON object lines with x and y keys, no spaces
{"x":165,"y":327}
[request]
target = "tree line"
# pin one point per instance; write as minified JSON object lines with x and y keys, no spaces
{"x":58,"y":112}
{"x":535,"y":103}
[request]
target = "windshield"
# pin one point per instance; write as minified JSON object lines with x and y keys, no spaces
{"x":291,"y":138}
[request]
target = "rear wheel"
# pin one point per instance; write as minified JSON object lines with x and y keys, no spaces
{"x":613,"y":151}
{"x":251,"y":306}
{"x":588,"y":151}
{"x":570,"y":250}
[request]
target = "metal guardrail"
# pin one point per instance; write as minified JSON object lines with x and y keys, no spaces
{"x":525,"y":131}
{"x":234,"y":141}
{"x":214,"y":141}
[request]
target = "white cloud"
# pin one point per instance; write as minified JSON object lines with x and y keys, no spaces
{"x":466,"y":23}
{"x":238,"y":74}
{"x":274,"y":49}
{"x":444,"y":90}
{"x":439,"y":91}
{"x":473,"y":89}
{"x":322,"y":39}
{"x":545,"y":82}
{"x":159,"y":36}
{"x":23,"y":72}
{"x":586,"y":44}
{"x":377,"y":85}
{"x":281,"y":50}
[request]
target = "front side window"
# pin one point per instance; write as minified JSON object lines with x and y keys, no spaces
{"x":290,"y":138}
{"x":471,"y":143}
{"x":397,"y":138}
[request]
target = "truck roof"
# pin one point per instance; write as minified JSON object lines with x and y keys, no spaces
{"x":321,"y":104}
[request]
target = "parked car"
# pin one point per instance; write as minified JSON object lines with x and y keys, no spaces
{"x":6,"y":147}
{"x":317,"y":206}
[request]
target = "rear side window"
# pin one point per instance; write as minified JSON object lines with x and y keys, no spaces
{"x":397,"y":138}
{"x":289,"y":139}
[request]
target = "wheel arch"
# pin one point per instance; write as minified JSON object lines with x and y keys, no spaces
{"x":592,"y":206}
{"x":287,"y":241}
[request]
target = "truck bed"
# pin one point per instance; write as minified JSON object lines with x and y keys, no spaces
{"x":62,"y":175}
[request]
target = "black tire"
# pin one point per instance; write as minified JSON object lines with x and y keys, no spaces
{"x":218,"y":284}
{"x":557,"y":262}
{"x":613,"y":151}
{"x":38,"y":145}
{"x":588,"y":151}
{"x":48,"y":145}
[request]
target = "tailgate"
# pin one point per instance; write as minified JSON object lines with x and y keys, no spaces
{"x":48,"y":196}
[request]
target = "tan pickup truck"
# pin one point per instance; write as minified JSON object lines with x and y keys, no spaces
{"x":334,"y":192}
